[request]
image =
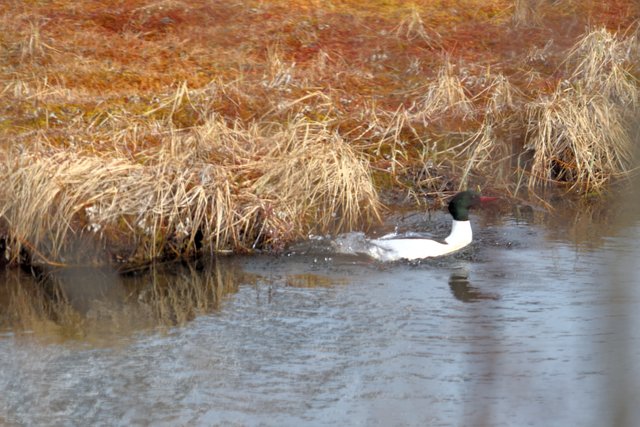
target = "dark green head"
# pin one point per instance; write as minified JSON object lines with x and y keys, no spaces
{"x":461,"y":202}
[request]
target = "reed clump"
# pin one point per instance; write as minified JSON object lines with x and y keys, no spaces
{"x":527,"y":13}
{"x":216,"y":188}
{"x":413,"y":28}
{"x":603,"y":62}
{"x":447,"y":94}
{"x":579,"y":139}
{"x":579,"y":134}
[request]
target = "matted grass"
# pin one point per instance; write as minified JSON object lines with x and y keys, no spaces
{"x":215,"y":188}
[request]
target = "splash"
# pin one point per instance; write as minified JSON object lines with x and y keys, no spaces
{"x":353,"y":243}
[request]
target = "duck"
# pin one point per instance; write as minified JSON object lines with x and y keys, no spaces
{"x":391,"y":248}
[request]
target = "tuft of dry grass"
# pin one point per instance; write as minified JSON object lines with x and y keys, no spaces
{"x":216,"y":187}
{"x":32,"y":47}
{"x":413,"y":28}
{"x":578,"y":138}
{"x":482,"y":153}
{"x":526,"y":13}
{"x":602,"y":62}
{"x":447,"y":94}
{"x":580,"y":133}
{"x":503,"y":97}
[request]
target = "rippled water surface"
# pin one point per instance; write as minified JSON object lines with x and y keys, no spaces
{"x":535,"y":324}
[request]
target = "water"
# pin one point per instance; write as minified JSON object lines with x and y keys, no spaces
{"x":534,"y":325}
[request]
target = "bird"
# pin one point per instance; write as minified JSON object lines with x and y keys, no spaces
{"x":389,"y":248}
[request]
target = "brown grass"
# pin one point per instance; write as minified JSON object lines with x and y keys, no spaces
{"x":218,"y":187}
{"x":580,"y":139}
{"x":413,"y":28}
{"x":446,"y":95}
{"x":580,"y":133}
{"x":603,"y":62}
{"x":527,"y":13}
{"x":155,"y":130}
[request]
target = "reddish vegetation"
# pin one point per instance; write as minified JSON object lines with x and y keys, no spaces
{"x":411,"y":87}
{"x":91,"y":59}
{"x":142,"y":46}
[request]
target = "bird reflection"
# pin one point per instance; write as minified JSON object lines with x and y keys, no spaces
{"x":463,"y":290}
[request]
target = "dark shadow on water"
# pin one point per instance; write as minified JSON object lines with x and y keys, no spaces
{"x":463,"y":290}
{"x":103,"y":307}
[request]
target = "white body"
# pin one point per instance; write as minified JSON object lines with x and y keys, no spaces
{"x":395,"y":249}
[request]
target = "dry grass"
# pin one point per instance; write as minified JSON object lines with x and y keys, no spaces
{"x":580,"y":133}
{"x":503,"y":97}
{"x":217,"y":187}
{"x":413,"y":28}
{"x":527,"y":13}
{"x":578,"y":138}
{"x":146,"y":132}
{"x":446,"y":95}
{"x":483,"y":154}
{"x":602,"y":62}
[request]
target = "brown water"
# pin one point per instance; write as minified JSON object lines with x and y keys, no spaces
{"x":535,"y":324}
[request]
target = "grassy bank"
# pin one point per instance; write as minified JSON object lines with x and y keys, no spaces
{"x":137,"y":130}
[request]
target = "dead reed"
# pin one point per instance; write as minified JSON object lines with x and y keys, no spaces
{"x":603,"y":62}
{"x":413,"y":28}
{"x":580,"y":133}
{"x":578,"y":138}
{"x":527,"y":13}
{"x":215,"y":188}
{"x":446,"y":95}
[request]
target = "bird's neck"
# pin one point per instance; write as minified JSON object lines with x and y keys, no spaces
{"x":460,"y":235}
